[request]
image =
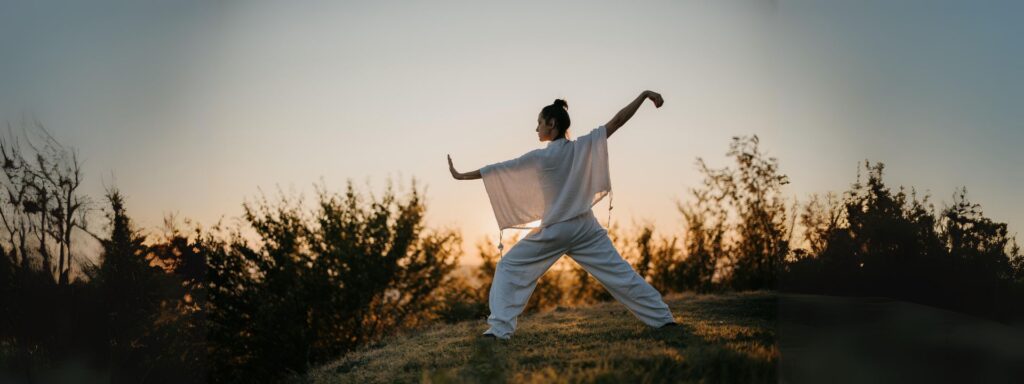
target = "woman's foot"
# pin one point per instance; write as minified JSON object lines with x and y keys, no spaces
{"x":668,"y":325}
{"x":490,"y":336}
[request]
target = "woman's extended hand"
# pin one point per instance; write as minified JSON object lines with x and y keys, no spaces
{"x":471,"y":175}
{"x":451,"y":167}
{"x":656,"y":98}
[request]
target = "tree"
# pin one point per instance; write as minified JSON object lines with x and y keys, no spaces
{"x":703,"y":240}
{"x":129,"y":288}
{"x":42,"y":198}
{"x":749,"y":250}
{"x":981,"y":252}
{"x":891,"y":243}
{"x":319,"y":283}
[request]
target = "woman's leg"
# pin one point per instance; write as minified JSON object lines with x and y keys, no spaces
{"x":597,"y":255}
{"x":516,"y":274}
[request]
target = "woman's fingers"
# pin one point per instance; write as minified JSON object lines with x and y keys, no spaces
{"x":656,"y":98}
{"x":451,"y":167}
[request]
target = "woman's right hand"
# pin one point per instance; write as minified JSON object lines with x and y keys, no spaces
{"x":451,"y":167}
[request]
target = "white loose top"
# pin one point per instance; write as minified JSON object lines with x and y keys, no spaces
{"x":551,"y":184}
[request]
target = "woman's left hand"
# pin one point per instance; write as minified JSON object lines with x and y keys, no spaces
{"x":451,"y":167}
{"x":656,"y":98}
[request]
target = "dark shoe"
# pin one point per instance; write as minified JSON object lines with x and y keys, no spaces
{"x":668,"y":325}
{"x":488,"y":336}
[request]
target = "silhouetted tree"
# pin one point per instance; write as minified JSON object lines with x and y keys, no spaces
{"x":40,"y":207}
{"x":321,"y":284}
{"x":754,"y":255}
{"x":821,"y":216}
{"x":180,"y":326}
{"x":704,"y":241}
{"x":981,"y":257}
{"x":233,"y":300}
{"x":644,"y":251}
{"x":659,"y":261}
{"x":888,"y":243}
{"x":130,"y":293}
{"x":42,"y":201}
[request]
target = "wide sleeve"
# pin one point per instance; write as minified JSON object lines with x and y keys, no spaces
{"x":592,"y":159}
{"x":514,"y":189}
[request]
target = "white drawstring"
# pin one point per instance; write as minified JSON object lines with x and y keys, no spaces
{"x":501,"y":231}
{"x":610,"y":194}
{"x":501,"y":246}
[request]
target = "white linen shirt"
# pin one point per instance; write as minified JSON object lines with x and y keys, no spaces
{"x":551,"y":184}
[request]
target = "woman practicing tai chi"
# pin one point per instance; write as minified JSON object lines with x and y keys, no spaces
{"x":558,"y":185}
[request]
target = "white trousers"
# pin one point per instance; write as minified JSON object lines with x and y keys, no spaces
{"x":586,"y":242}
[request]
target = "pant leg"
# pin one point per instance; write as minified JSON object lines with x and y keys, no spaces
{"x":516,"y":274}
{"x":594,"y":251}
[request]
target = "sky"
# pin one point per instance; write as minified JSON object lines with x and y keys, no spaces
{"x":193,"y":107}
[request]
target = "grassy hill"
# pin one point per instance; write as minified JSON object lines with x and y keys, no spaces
{"x":723,"y":338}
{"x":735,"y":337}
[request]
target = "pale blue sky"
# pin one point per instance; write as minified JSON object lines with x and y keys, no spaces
{"x":235,"y":96}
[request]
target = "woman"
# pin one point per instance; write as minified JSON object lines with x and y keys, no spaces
{"x":558,"y":185}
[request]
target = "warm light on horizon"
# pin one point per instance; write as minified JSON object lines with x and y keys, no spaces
{"x":193,"y":114}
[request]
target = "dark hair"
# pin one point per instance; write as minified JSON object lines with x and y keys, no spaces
{"x":559,"y":110}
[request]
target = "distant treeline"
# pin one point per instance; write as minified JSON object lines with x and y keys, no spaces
{"x":207,"y":305}
{"x":871,"y":241}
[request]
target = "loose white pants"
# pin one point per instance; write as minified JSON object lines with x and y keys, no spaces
{"x":585,"y":241}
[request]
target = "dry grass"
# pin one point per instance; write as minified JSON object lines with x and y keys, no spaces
{"x":723,"y":338}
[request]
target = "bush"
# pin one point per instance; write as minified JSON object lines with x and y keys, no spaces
{"x":886,"y":243}
{"x":321,"y":284}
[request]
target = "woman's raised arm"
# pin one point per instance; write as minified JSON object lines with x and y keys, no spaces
{"x":473,"y":175}
{"x":627,"y":112}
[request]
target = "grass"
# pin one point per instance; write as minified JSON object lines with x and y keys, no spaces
{"x":723,"y":338}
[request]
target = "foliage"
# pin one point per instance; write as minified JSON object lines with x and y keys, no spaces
{"x":306,"y":285}
{"x":737,"y":231}
{"x":886,"y":243}
{"x":320,"y":284}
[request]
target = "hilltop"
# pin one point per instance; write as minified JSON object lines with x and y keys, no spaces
{"x":723,"y":338}
{"x":758,"y":336}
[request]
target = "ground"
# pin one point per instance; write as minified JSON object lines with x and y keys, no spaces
{"x":827,"y":339}
{"x":723,"y":338}
{"x":746,"y":337}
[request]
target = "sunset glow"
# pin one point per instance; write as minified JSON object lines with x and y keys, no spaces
{"x":231,"y":98}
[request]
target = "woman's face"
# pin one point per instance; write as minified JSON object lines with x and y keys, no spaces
{"x":545,"y":131}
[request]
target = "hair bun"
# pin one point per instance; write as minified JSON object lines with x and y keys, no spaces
{"x":561,"y":103}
